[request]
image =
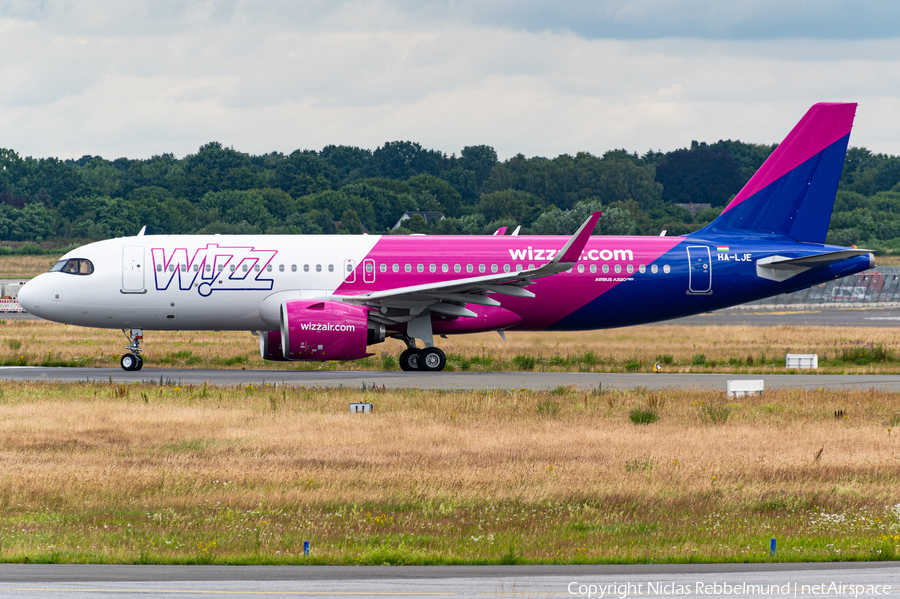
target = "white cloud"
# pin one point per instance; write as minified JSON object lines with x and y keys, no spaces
{"x":136,"y":79}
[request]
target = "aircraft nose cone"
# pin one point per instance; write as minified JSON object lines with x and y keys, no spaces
{"x":29,"y":296}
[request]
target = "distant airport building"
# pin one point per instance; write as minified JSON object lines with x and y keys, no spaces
{"x":428,"y":216}
{"x":695,"y":208}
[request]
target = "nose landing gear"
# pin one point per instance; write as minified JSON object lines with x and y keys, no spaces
{"x":133,"y":360}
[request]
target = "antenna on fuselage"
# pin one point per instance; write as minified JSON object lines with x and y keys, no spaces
{"x":516,"y":232}
{"x":142,"y":231}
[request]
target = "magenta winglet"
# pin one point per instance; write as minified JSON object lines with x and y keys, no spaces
{"x":572,"y":250}
{"x":822,"y":125}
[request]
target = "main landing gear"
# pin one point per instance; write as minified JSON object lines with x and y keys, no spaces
{"x":430,"y":359}
{"x":133,"y":361}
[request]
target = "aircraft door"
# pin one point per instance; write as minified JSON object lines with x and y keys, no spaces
{"x":133,"y":269}
{"x":349,"y":271}
{"x":368,"y":271}
{"x":700,"y":271}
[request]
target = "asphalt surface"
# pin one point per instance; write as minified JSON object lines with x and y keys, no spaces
{"x":445,"y":380}
{"x":806,"y":315}
{"x":688,"y":580}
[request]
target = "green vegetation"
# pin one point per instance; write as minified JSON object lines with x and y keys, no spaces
{"x":643,"y":416}
{"x":203,"y":474}
{"x":48,"y":204}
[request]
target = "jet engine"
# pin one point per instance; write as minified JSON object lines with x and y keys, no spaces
{"x":270,"y":346}
{"x":326,"y":330}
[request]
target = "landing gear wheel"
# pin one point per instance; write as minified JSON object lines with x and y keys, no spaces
{"x":409,"y":360}
{"x":432,"y":360}
{"x":129,"y":362}
{"x":133,"y":361}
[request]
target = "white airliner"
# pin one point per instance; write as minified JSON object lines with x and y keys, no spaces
{"x":329,"y":297}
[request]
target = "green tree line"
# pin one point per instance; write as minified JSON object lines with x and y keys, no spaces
{"x":345,"y":190}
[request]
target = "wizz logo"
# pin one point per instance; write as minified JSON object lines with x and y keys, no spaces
{"x":213,"y":268}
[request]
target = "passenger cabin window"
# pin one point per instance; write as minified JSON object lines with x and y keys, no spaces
{"x":331,"y":268}
{"x":306,"y":268}
{"x":74,"y":266}
{"x":281,"y":268}
{"x":293,"y":268}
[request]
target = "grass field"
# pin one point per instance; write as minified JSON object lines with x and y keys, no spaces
{"x":162,"y":474}
{"x":739,"y":349}
{"x":25,"y":267}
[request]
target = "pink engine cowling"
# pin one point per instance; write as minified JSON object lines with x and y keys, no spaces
{"x":325,"y":330}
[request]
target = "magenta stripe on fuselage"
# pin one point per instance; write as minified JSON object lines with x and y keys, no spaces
{"x":822,"y":125}
{"x":556,"y":296}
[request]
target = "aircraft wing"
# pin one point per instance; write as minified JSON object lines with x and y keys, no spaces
{"x":450,"y":297}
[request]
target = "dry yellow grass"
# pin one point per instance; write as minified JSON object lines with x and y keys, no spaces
{"x":90,"y":444}
{"x":724,"y":348}
{"x":146,"y":473}
{"x":25,"y":267}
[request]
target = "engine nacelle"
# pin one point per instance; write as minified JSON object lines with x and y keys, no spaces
{"x":326,"y":330}
{"x":270,"y":346}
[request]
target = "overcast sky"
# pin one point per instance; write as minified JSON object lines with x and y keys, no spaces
{"x":137,"y":78}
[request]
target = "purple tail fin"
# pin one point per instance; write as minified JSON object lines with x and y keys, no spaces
{"x":792,"y":193}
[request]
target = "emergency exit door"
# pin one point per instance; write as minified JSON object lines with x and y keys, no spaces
{"x":133,"y":269}
{"x":700,"y":272}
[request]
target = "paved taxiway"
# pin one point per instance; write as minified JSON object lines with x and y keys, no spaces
{"x":806,"y":315}
{"x":687,"y":580}
{"x":445,"y":380}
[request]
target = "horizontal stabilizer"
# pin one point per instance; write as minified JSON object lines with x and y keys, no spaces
{"x":780,"y":268}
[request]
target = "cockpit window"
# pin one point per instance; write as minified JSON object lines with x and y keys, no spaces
{"x":74,"y":266}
